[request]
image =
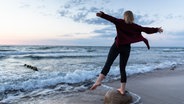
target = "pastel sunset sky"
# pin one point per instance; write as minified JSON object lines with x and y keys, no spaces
{"x":74,"y":22}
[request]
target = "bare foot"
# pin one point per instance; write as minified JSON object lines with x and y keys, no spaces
{"x":95,"y":86}
{"x":121,"y":91}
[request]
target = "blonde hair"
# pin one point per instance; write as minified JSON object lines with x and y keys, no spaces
{"x":128,"y":17}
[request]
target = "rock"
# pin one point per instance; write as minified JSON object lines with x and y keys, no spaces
{"x":31,"y":67}
{"x":114,"y":97}
{"x":35,"y":68}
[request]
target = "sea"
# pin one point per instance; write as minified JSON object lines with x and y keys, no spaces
{"x":67,"y":69}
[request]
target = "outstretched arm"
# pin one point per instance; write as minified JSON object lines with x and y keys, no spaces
{"x":149,"y":30}
{"x":106,"y":16}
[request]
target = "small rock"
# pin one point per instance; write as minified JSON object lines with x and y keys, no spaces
{"x":114,"y":97}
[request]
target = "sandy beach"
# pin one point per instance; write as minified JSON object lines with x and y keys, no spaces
{"x":157,"y":87}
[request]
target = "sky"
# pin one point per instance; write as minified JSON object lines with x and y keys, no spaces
{"x":74,"y":22}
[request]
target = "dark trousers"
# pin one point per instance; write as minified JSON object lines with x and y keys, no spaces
{"x":124,"y":51}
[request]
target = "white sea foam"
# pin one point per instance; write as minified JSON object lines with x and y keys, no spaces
{"x":50,"y":79}
{"x":77,"y":76}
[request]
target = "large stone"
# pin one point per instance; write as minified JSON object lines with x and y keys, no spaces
{"x":114,"y":97}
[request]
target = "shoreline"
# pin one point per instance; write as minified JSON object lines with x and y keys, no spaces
{"x":164,"y":87}
{"x":157,"y":87}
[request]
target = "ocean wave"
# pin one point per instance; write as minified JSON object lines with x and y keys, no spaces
{"x":25,"y":50}
{"x":33,"y":53}
{"x":64,"y":48}
{"x":3,"y":57}
{"x":78,"y":80}
{"x":63,"y":82}
{"x":173,"y":50}
{"x":49,"y":79}
{"x":58,"y":56}
{"x":42,"y":47}
{"x":5,"y":50}
{"x":77,"y":76}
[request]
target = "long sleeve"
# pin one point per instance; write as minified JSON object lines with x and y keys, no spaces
{"x":149,"y":30}
{"x":109,"y":18}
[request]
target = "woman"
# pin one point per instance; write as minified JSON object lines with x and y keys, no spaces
{"x":127,"y":32}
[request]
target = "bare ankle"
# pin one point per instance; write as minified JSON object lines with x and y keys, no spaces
{"x":121,"y":91}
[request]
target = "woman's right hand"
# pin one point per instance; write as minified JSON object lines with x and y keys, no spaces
{"x":160,"y":30}
{"x":99,"y":14}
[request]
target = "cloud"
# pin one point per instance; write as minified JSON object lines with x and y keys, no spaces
{"x":173,"y":16}
{"x":84,"y":11}
{"x":143,"y":19}
{"x":107,"y":32}
{"x":181,"y":33}
{"x":72,"y":35}
{"x":177,"y":35}
{"x":87,"y":14}
{"x":82,"y":14}
{"x":81,"y":11}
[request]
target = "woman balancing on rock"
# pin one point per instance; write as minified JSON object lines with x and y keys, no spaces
{"x":127,"y":32}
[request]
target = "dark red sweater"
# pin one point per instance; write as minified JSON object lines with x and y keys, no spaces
{"x":129,"y":33}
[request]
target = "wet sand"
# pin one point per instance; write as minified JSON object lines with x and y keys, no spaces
{"x":162,"y":87}
{"x":157,"y":87}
